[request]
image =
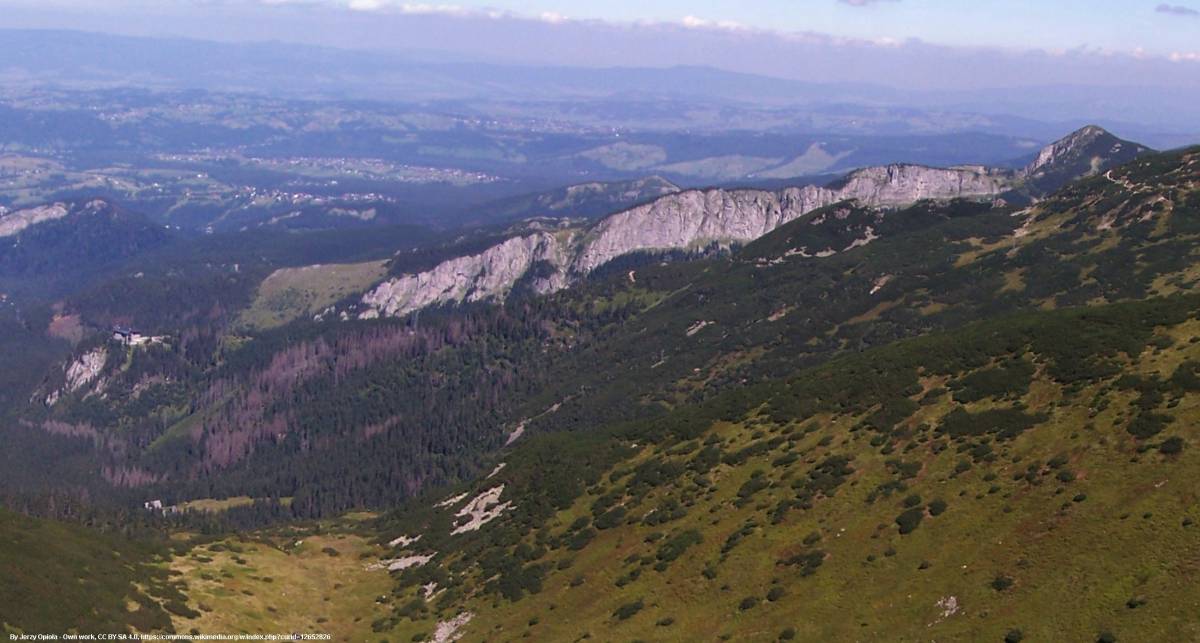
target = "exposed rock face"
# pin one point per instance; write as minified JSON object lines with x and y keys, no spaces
{"x":16,"y":221}
{"x":691,"y":218}
{"x":1072,"y":146}
{"x":695,"y":218}
{"x":80,"y":373}
{"x":453,"y":500}
{"x":483,"y":509}
{"x":403,"y":541}
{"x":86,"y":368}
{"x":450,"y":631}
{"x":896,"y":185}
{"x":402,"y":563}
{"x":1086,"y":152}
{"x":488,"y":275}
{"x":681,"y":221}
{"x":416,"y":560}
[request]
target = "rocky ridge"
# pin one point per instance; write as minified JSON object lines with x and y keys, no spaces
{"x":472,"y":278}
{"x":14,"y":222}
{"x":682,"y":221}
{"x":692,"y":219}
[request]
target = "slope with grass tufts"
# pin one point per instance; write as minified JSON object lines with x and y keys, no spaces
{"x":1035,"y":472}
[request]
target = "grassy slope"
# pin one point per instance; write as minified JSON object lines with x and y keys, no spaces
{"x":295,"y":581}
{"x":58,"y":578}
{"x":1082,"y":552}
{"x":292,"y":293}
{"x":1078,"y":552}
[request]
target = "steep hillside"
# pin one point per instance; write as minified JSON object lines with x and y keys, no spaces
{"x":1031,"y":474}
{"x":942,"y":420}
{"x":60,"y":578}
{"x":344,"y":414}
{"x":812,"y":288}
{"x":957,"y":485}
{"x":1087,"y":152}
{"x":52,"y":248}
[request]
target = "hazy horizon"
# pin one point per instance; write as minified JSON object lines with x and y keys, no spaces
{"x":883,"y":41}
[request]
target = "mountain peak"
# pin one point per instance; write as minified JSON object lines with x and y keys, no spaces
{"x":1085,"y":152}
{"x":1085,"y":136}
{"x":1088,"y":131}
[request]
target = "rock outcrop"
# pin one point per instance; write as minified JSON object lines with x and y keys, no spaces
{"x":483,"y":509}
{"x":16,"y":221}
{"x":696,"y":218}
{"x":896,"y":185}
{"x":490,"y":274}
{"x":693,"y":219}
{"x":1086,"y":152}
{"x":80,"y":373}
{"x":682,"y":221}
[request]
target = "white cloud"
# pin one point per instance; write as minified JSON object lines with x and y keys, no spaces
{"x":758,"y":37}
{"x":409,"y":8}
{"x":394,"y":6}
{"x":692,"y":22}
{"x":1177,"y":10}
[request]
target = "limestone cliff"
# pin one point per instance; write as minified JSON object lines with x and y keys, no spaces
{"x":695,"y":218}
{"x":490,"y":274}
{"x":16,"y":221}
{"x":80,"y":373}
{"x":680,"y":221}
{"x":896,"y":185}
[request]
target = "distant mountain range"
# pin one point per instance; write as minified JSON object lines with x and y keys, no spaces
{"x":633,"y":97}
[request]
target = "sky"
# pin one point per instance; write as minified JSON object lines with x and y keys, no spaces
{"x":1129,"y":26}
{"x":929,"y":44}
{"x":1121,"y":25}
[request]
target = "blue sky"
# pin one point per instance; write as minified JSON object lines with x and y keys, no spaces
{"x":907,"y":44}
{"x":1130,"y":26}
{"x":1122,"y":25}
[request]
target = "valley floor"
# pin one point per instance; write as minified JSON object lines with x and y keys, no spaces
{"x":307,"y":581}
